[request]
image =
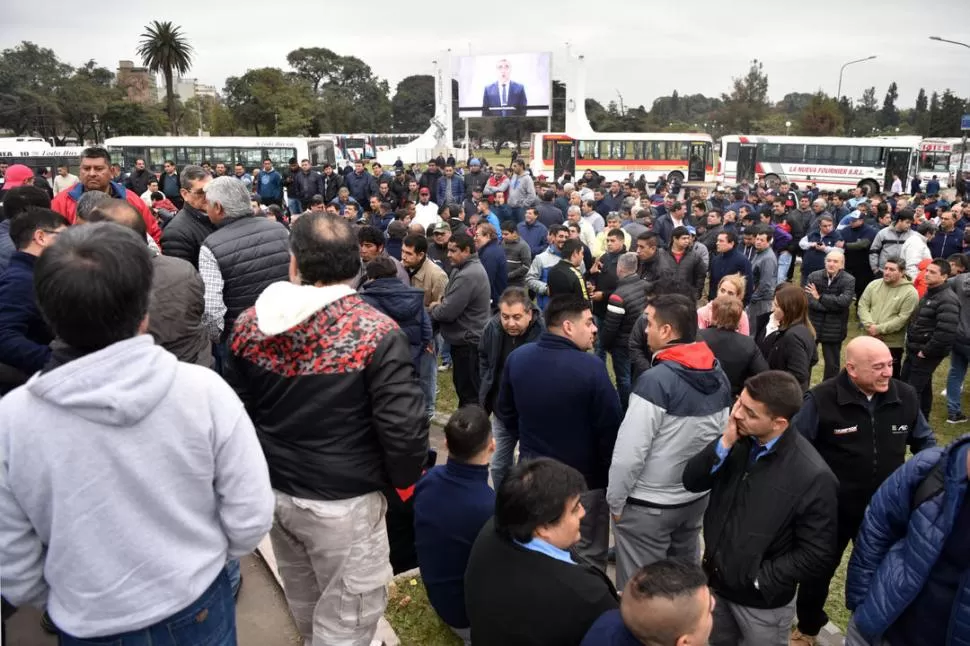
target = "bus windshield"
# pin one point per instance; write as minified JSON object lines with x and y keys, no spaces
{"x":939,"y":162}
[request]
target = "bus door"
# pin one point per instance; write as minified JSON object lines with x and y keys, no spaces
{"x":564,"y":158}
{"x":898,"y":162}
{"x":697,"y":161}
{"x":746,"y":162}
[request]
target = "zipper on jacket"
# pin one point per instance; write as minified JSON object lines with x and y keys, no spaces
{"x":875,"y":450}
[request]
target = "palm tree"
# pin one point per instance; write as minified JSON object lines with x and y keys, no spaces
{"x":163,"y":48}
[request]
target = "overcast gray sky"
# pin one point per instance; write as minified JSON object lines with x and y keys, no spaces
{"x":643,"y":48}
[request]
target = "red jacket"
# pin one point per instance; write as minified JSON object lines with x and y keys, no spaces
{"x":65,"y":203}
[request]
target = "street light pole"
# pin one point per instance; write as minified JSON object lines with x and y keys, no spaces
{"x":963,"y":148}
{"x":838,"y":93}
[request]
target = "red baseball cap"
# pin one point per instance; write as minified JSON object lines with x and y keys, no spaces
{"x":17,"y":175}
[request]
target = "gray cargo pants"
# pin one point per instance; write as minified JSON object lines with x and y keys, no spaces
{"x":334,"y":558}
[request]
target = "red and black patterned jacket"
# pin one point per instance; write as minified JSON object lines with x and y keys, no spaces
{"x":335,"y":400}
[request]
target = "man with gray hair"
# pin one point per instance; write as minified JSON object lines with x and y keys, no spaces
{"x":183,"y":236}
{"x":88,"y":202}
{"x":241,"y":258}
{"x":624,"y":307}
{"x":587,"y":236}
{"x":590,"y":215}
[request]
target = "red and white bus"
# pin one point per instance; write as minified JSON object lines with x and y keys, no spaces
{"x":833,"y":163}
{"x":687,"y":157}
{"x":934,"y":159}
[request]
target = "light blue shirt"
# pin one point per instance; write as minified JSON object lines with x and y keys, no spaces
{"x":542,"y":547}
{"x":723,"y":452}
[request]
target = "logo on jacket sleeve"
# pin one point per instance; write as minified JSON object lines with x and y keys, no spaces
{"x":845,"y":431}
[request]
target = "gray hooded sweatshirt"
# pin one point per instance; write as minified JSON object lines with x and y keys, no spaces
{"x":127,"y":479}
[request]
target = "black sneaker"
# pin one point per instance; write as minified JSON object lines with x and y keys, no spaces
{"x":956,"y":418}
{"x":48,"y":624}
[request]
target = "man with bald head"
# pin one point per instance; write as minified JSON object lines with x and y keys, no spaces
{"x":860,"y":422}
{"x":667,"y":602}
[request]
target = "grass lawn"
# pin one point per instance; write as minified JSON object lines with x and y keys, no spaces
{"x":418,"y":625}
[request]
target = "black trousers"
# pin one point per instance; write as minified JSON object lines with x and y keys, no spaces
{"x":832,"y":354}
{"x":897,"y":354}
{"x":810,"y":604}
{"x":464,"y":373}
{"x":918,"y":373}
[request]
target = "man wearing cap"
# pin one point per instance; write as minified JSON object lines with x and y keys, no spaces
{"x":475,"y":179}
{"x":16,"y":175}
{"x":95,"y":172}
{"x":425,"y":211}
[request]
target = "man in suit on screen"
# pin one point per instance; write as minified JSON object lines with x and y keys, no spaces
{"x":504,"y":98}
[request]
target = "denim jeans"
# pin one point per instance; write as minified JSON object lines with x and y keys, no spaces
{"x":504,"y":452}
{"x":623,"y":369}
{"x":959,"y":359}
{"x":429,"y":381}
{"x":294,"y":206}
{"x":235,"y":576}
{"x":784,"y":263}
{"x":444,"y":350}
{"x":209,"y":621}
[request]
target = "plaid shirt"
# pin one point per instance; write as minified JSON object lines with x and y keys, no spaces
{"x":214,"y":316}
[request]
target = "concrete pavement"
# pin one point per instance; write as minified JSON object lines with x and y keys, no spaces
{"x":262,"y":618}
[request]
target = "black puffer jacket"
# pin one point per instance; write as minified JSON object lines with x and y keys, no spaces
{"x":738,"y":355}
{"x":792,"y":350}
{"x":184,"y":235}
{"x":624,"y":307}
{"x":252,"y":254}
{"x":830,"y":312}
{"x":691,"y":270}
{"x":660,"y":267}
{"x":934,"y":324}
{"x":333,"y":398}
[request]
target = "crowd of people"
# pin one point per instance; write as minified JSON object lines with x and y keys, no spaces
{"x":262,"y":355}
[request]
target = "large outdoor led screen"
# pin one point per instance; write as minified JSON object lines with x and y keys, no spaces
{"x":505,"y":85}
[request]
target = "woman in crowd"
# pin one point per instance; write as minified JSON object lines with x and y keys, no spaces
{"x":791,"y":347}
{"x":737,"y":352}
{"x":732,"y":285}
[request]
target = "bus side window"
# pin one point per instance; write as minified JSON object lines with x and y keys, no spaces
{"x":731,"y":154}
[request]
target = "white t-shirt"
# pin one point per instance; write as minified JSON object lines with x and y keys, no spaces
{"x":426,"y":215}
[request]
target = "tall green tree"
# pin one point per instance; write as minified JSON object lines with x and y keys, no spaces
{"x":164,"y":48}
{"x":821,"y":117}
{"x":267,"y":101}
{"x":918,"y":115}
{"x":952,"y":108}
{"x":889,"y":115}
{"x":748,"y":101}
{"x":935,"y":117}
{"x":413,"y":104}
{"x":84,"y":98}
{"x":30,"y":79}
{"x":868,"y":102}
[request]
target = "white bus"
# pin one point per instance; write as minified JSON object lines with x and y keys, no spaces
{"x":833,"y":163}
{"x":687,"y":157}
{"x":365,"y":146}
{"x":934,"y":159}
{"x":248,"y":151}
{"x":40,"y":154}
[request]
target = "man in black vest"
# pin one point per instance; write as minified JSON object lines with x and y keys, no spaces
{"x":183,"y":236}
{"x":860,"y":422}
{"x":243,"y":256}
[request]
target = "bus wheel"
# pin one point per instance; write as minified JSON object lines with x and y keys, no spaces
{"x":772,"y":180}
{"x":675,"y":176}
{"x":871,"y":187}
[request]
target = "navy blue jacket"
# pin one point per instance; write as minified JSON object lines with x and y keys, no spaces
{"x":452,"y":503}
{"x":812,"y":258}
{"x":896,"y":549}
{"x":406,"y":306}
{"x":944,"y":245}
{"x":492,"y":257}
{"x":732,"y":262}
{"x":361,"y":186}
{"x":558,"y":402}
{"x":270,"y":185}
{"x":609,"y":630}
{"x":24,"y":337}
{"x":534,"y":236}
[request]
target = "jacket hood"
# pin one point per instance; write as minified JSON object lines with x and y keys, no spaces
{"x":695,"y":364}
{"x":397,"y":301}
{"x":119,"y":191}
{"x":284,"y":305}
{"x":118,"y":386}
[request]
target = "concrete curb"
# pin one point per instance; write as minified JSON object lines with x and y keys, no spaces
{"x":385,"y":634}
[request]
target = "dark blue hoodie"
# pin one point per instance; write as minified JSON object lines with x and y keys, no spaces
{"x":406,"y":306}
